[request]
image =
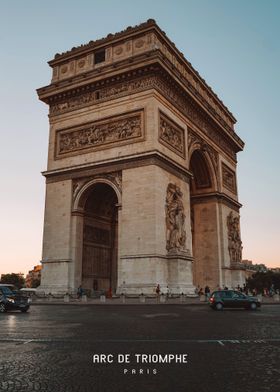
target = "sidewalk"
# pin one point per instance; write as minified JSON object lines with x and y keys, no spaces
{"x":133,"y":301}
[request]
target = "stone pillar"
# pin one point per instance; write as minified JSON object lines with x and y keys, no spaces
{"x":145,"y":260}
{"x":206,"y":244}
{"x":56,"y":245}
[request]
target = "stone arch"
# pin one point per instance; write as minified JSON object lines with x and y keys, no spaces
{"x":96,"y":213}
{"x":204,"y":167}
{"x":85,"y":189}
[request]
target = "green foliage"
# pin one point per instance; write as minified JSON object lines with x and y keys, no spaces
{"x":264,"y":280}
{"x":16,"y":279}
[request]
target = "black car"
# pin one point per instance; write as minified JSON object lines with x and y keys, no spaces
{"x":11,"y":300}
{"x":232,"y":299}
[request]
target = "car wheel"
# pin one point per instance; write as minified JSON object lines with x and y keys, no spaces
{"x":253,"y":306}
{"x":219,"y":306}
{"x":2,"y":308}
{"x":24,"y":310}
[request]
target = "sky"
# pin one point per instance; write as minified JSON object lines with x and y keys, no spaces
{"x":234,"y":45}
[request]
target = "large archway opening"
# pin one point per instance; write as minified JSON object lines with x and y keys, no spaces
{"x":203,"y":220}
{"x":100,"y":234}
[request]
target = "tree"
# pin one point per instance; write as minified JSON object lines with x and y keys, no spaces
{"x":16,"y":279}
{"x":264,"y":280}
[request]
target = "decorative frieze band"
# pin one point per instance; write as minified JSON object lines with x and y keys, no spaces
{"x":100,"y":94}
{"x":171,"y":135}
{"x":229,"y":178}
{"x":116,"y":130}
{"x":175,"y":96}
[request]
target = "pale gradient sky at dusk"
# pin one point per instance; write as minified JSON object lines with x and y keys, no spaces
{"x":234,"y":45}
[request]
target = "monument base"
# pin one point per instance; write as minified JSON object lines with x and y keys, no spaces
{"x":180,"y":277}
{"x":141,"y":274}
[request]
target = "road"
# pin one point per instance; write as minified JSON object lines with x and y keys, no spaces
{"x":51,"y":348}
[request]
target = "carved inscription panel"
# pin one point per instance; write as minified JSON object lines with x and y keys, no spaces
{"x":229,"y":179}
{"x":96,"y":235}
{"x":171,"y":135}
{"x":121,"y":129}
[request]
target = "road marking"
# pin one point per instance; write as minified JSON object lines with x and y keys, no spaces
{"x":153,"y":315}
{"x":28,"y":341}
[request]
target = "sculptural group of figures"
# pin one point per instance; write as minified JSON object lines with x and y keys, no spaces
{"x":99,"y":134}
{"x":175,"y":219}
{"x":234,"y":240}
{"x":171,"y":135}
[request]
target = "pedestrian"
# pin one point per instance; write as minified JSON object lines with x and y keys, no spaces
{"x":158,"y":291}
{"x":167,"y":292}
{"x":207,"y":291}
{"x":200,"y":293}
{"x":80,"y":292}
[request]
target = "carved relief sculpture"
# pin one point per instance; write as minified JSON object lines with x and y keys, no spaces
{"x":234,"y":240}
{"x":175,"y":219}
{"x":171,"y":135}
{"x":99,"y":133}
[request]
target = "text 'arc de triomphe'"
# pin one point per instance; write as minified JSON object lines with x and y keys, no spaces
{"x":141,"y":185}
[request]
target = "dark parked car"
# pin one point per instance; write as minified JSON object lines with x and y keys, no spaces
{"x":12,"y":300}
{"x":232,"y":299}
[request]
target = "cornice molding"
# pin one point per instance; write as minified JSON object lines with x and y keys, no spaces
{"x":218,"y":197}
{"x":96,"y":44}
{"x":152,"y":158}
{"x":161,"y":41}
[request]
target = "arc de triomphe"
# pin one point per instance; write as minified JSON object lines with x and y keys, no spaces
{"x":141,"y":178}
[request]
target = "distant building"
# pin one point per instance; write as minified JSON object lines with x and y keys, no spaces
{"x":33,"y":278}
{"x":255,"y":267}
{"x":247,"y":262}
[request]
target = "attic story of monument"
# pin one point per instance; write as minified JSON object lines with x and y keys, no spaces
{"x":141,"y":179}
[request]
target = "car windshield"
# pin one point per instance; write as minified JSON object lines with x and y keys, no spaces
{"x":238,"y":294}
{"x":6,"y":290}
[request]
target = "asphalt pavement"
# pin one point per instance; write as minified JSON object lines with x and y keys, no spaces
{"x":51,"y":349}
